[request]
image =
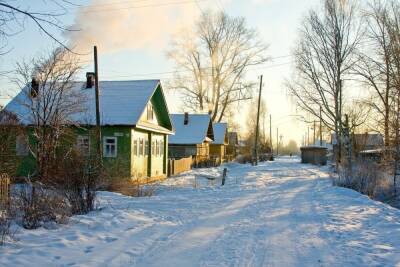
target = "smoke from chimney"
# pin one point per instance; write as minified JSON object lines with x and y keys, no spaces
{"x":128,"y":26}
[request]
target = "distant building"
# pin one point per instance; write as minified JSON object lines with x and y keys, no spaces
{"x":232,"y":150}
{"x":218,"y":146}
{"x":363,"y":142}
{"x":193,"y":135}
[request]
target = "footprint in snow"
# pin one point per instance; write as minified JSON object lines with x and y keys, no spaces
{"x":89,"y":249}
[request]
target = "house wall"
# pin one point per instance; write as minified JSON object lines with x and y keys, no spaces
{"x":158,"y":163}
{"x":119,"y":166}
{"x":218,"y":151}
{"x":184,"y":151}
{"x":139,"y":154}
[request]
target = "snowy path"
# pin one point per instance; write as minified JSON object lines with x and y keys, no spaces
{"x":276,"y":214}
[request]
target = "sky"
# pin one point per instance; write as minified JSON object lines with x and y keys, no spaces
{"x":132,"y":37}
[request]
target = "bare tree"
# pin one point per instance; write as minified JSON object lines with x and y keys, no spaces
{"x":374,"y":64}
{"x":51,"y":101}
{"x":212,"y":63}
{"x":324,"y":58}
{"x":13,"y":17}
{"x":393,"y":25}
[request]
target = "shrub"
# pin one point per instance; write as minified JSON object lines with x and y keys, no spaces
{"x":78,"y":179}
{"x":39,"y":205}
{"x":363,"y":178}
{"x":132,"y":188}
{"x":6,"y":219}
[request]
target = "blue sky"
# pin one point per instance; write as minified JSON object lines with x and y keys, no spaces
{"x":137,"y":46}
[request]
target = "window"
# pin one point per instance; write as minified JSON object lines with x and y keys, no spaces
{"x":22,"y":147}
{"x":83,"y":144}
{"x":162,"y":148}
{"x":150,"y":112}
{"x":147,"y":148}
{"x":110,"y":147}
{"x":157,"y":148}
{"x":141,"y":150}
{"x":153,"y":148}
{"x":135,"y":147}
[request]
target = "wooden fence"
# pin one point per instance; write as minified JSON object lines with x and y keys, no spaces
{"x":4,"y":190}
{"x":177,"y":166}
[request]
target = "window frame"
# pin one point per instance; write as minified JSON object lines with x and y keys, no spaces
{"x":105,"y":146}
{"x":79,"y":138}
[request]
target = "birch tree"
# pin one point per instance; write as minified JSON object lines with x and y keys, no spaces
{"x":212,"y":63}
{"x":324,"y":57}
{"x":375,"y":62}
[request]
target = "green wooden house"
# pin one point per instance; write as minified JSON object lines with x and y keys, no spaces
{"x":135,"y":125}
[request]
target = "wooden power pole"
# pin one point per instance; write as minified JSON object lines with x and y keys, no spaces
{"x":270,"y":135}
{"x":320,"y":125}
{"x":314,"y":134}
{"x":258,"y":124}
{"x":96,"y":87}
{"x":277,"y":142}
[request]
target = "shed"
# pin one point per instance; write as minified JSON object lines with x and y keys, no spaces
{"x":314,"y":155}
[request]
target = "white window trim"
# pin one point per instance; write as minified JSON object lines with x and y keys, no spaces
{"x":104,"y":146}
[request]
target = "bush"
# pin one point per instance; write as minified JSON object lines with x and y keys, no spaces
{"x":363,"y":178}
{"x":39,"y":205}
{"x":77,"y":179}
{"x":6,"y":219}
{"x":132,"y":188}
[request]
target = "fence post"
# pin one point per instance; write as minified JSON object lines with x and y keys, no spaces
{"x":224,"y":176}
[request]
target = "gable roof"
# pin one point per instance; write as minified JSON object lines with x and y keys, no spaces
{"x":220,"y":133}
{"x":198,"y":130}
{"x":365,"y":139}
{"x":368,"y":139}
{"x":121,"y":102}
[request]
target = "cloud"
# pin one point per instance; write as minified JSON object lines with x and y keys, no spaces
{"x":129,"y":26}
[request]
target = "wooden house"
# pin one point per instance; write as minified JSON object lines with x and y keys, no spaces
{"x":218,"y":146}
{"x":193,"y":135}
{"x":135,"y":125}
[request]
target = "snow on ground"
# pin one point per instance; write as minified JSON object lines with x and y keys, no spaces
{"x":279,"y":213}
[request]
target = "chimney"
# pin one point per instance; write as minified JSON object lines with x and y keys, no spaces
{"x":90,"y":77}
{"x":186,"y":119}
{"x":34,"y":87}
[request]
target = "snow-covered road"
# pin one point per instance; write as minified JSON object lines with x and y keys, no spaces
{"x":277,"y":214}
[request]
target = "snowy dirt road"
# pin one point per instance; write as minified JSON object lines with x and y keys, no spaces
{"x":279,"y":213}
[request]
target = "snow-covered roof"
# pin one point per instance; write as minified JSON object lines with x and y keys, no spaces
{"x":196,"y":131}
{"x":365,"y":139}
{"x":220,"y":131}
{"x":121,"y":102}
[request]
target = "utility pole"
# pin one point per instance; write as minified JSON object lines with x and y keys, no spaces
{"x":314,"y":134}
{"x":320,"y":125}
{"x":270,"y":135}
{"x":258,"y":122}
{"x":277,"y":142}
{"x":308,"y":135}
{"x":96,"y":87}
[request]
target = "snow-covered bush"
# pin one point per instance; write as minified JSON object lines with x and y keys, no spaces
{"x":132,"y":188}
{"x":6,"y":219}
{"x":38,"y":205}
{"x":364,"y":177}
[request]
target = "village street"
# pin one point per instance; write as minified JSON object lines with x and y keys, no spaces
{"x":279,"y":213}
